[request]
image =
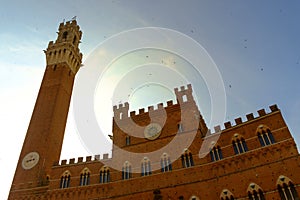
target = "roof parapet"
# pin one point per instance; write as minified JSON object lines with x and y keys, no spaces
{"x":82,"y":160}
{"x":239,"y":120}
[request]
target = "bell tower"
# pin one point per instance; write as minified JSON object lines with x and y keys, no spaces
{"x":44,"y":138}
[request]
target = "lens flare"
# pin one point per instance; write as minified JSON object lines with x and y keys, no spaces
{"x":142,"y":67}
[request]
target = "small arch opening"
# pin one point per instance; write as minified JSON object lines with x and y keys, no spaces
{"x":127,"y":140}
{"x":65,"y":35}
{"x":74,"y":40}
{"x":184,"y":98}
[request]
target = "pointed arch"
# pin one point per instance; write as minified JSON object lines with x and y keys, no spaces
{"x":65,"y":179}
{"x":226,"y":195}
{"x":85,"y":177}
{"x":265,"y":135}
{"x":145,"y":166}
{"x":187,"y":159}
{"x":194,"y":198}
{"x":165,"y":163}
{"x":286,"y":188}
{"x":255,"y":192}
{"x":215,"y":152}
{"x":126,"y":170}
{"x":239,"y":144}
{"x":104,"y":174}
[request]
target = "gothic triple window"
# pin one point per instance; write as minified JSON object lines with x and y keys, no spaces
{"x":187,"y":159}
{"x":65,"y":180}
{"x":265,"y":136}
{"x":286,"y":189}
{"x":85,"y":177}
{"x":104,"y":175}
{"x":255,"y":192}
{"x":226,"y":195}
{"x":216,"y":153}
{"x":126,"y":171}
{"x":239,"y":145}
{"x":145,"y":167}
{"x":165,"y":163}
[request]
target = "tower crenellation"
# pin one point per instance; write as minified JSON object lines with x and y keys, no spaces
{"x":184,"y":95}
{"x":121,"y":111}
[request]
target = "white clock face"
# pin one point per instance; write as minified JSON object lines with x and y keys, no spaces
{"x":30,"y":160}
{"x":152,"y":131}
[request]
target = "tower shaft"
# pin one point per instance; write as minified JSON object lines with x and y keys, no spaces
{"x":44,"y":137}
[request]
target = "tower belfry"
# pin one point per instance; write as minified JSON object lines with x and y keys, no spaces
{"x":44,"y":138}
{"x":65,"y":48}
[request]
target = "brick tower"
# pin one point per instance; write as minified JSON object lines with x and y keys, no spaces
{"x":44,"y":138}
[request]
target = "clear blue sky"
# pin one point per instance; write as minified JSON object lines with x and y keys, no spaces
{"x":255,"y":45}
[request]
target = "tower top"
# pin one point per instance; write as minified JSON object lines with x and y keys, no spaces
{"x":65,"y":50}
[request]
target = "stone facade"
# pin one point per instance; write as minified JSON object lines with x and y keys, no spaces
{"x":176,"y":156}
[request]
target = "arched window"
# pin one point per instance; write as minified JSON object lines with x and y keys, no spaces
{"x":239,"y":145}
{"x":184,"y":98}
{"x":85,"y":177}
{"x":126,"y":171}
{"x":286,"y":189}
{"x":165,"y":163}
{"x":194,"y":198}
{"x":216,"y":153}
{"x":255,"y":192}
{"x":157,"y":195}
{"x":187,"y":159}
{"x":104,"y":175}
{"x":265,"y":135}
{"x":145,"y":167}
{"x":226,"y":195}
{"x":65,"y":179}
{"x":180,"y":127}
{"x":127,"y":140}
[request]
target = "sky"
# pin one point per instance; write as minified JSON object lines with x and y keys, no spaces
{"x":254,"y":44}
